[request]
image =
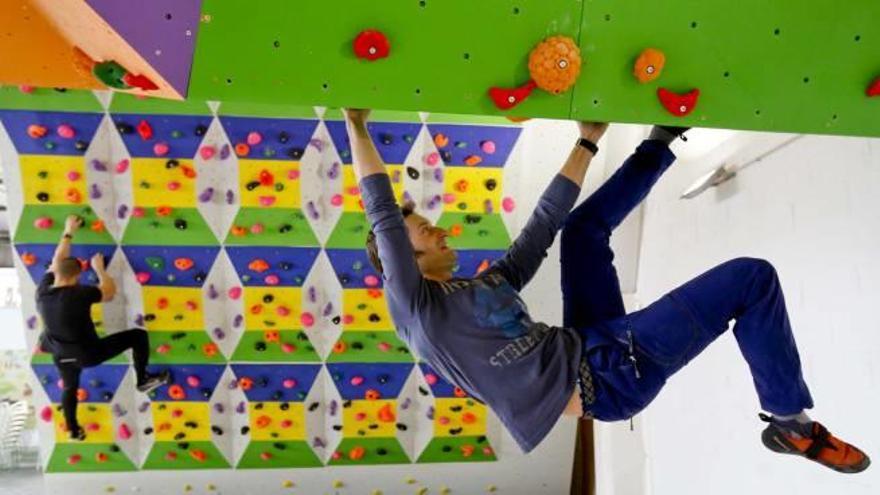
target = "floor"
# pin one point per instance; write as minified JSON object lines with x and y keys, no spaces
{"x":22,"y":482}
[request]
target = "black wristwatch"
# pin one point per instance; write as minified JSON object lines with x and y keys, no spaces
{"x":68,"y":236}
{"x":586,"y":143}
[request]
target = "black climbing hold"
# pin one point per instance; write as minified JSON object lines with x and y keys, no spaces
{"x":481,"y":439}
{"x":301,"y":395}
{"x":374,"y":318}
{"x":245,"y":430}
{"x":336,"y":320}
{"x":274,"y":434}
{"x":258,"y":406}
{"x":344,"y":279}
{"x":42,"y":174}
{"x":447,"y":448}
{"x":357,"y":345}
{"x":383,"y":378}
{"x":386,"y":139}
{"x":277,"y":395}
{"x":310,"y":348}
{"x":302,"y":336}
{"x":124,"y":128}
{"x":191,"y":424}
{"x":149,"y":317}
{"x":268,"y":298}
{"x":172,"y":163}
{"x":60,"y":90}
{"x":107,"y":396}
{"x":412,"y":173}
{"x":423,"y":391}
{"x":178,"y":335}
{"x":201,"y":130}
{"x":446,"y":156}
{"x":179,"y":436}
{"x":491,"y":184}
{"x":42,"y":197}
{"x":162,"y":407}
{"x":263,"y":382}
{"x":337,"y":427}
{"x":403,"y":349}
{"x":200,"y":277}
{"x":284,"y":406}
{"x":279,"y":445}
{"x":401,"y":426}
{"x":472,"y":219}
{"x":148,"y":431}
{"x":283,"y":137}
{"x":462,"y":206}
{"x":295,"y":153}
{"x":259,"y":346}
{"x":455,"y":431}
{"x":180,"y":224}
{"x":381,"y":451}
{"x":250,"y":186}
{"x":346,"y":404}
{"x":313,"y":406}
{"x":206,"y":393}
{"x":114,"y":448}
{"x":81,"y":145}
{"x":455,"y":408}
{"x":279,"y":186}
{"x":373,"y":426}
{"x":362,"y":433}
{"x":178,"y":317}
{"x":216,"y":430}
{"x":285,"y":228}
{"x":183,"y":445}
{"x":285,"y":266}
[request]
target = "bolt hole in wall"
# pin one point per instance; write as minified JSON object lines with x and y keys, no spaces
{"x":727,"y":73}
{"x":423,"y":3}
{"x":228,"y":80}
{"x":777,"y":31}
{"x":516,"y":11}
{"x":857,"y":38}
{"x":168,"y":16}
{"x":276,"y":44}
{"x":608,"y":17}
{"x":694,"y":25}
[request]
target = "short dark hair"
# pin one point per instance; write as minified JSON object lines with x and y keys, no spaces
{"x":69,"y":267}
{"x":406,"y":209}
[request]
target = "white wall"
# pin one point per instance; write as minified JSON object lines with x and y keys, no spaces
{"x":813,"y":210}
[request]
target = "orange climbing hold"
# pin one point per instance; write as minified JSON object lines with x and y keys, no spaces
{"x":256,"y":309}
{"x":473,"y":160}
{"x":339,"y":347}
{"x":440,"y":140}
{"x":28,"y":259}
{"x":263,"y":421}
{"x":245,"y":383}
{"x":82,"y":395}
{"x":162,"y":303}
{"x":73,"y":195}
{"x":210,"y":349}
{"x":555,"y":64}
{"x":467,"y":450}
{"x":462,"y":185}
{"x":163,"y":211}
{"x":648,"y":65}
{"x":386,"y":414}
{"x":459,"y":392}
{"x":455,"y":230}
{"x":242,"y":149}
{"x":484,"y":265}
{"x":37,"y":131}
{"x":176,"y":392}
{"x":271,"y":336}
{"x":97,"y":226}
{"x":468,"y":418}
{"x":372,"y":394}
{"x":258,"y":265}
{"x":198,"y":455}
{"x":357,"y":453}
{"x":101,"y":457}
{"x":188,"y":172}
{"x":238,"y":231}
{"x":183,"y":264}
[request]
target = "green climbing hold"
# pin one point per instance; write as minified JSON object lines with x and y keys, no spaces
{"x":144,"y":184}
{"x":155,"y":262}
{"x":279,"y":186}
{"x":245,"y":278}
{"x":171,"y":277}
{"x":460,"y":144}
{"x":361,"y":306}
{"x":49,"y":145}
{"x":176,"y":134}
{"x":111,"y":74}
{"x":42,"y":174}
{"x":268,"y":152}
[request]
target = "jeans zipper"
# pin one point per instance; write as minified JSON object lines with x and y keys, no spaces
{"x":632,"y":356}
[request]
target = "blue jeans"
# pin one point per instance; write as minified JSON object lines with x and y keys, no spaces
{"x":632,"y":355}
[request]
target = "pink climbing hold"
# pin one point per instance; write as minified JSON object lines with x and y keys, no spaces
{"x":207,"y":152}
{"x":257,"y":228}
{"x":161,"y":149}
{"x":75,"y":458}
{"x":192,"y":305}
{"x":347,"y":319}
{"x":26,"y":89}
{"x":124,"y":432}
{"x":137,"y":212}
{"x":43,"y":223}
{"x":254,"y":138}
{"x":488,"y":147}
{"x":307,"y":319}
{"x":287,"y":347}
{"x":371,"y":281}
{"x":360,"y":416}
{"x":508,"y":204}
{"x":286,"y":423}
{"x":143,"y":277}
{"x":267,"y":200}
{"x":431,"y":378}
{"x":289,"y":383}
{"x":65,"y":131}
{"x":282,"y":311}
{"x":443,"y":420}
{"x":293,"y":174}
{"x":383,"y":346}
{"x":449,"y":198}
{"x":163,"y":349}
{"x":234,"y":293}
{"x":73,"y":176}
{"x":357,"y":380}
{"x":272,"y":280}
{"x":336,"y":200}
{"x":173,"y":185}
{"x":432,"y":159}
{"x":93,"y":427}
{"x":122,"y":166}
{"x":193,"y":381}
{"x":46,"y":413}
{"x":60,"y":383}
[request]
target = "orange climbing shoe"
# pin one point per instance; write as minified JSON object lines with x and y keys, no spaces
{"x":813,"y":441}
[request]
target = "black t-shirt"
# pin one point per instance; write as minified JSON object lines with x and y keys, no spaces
{"x":66,"y":311}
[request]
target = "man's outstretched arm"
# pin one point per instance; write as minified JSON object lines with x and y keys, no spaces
{"x":71,"y":224}
{"x":528,"y":251}
{"x":401,"y":273}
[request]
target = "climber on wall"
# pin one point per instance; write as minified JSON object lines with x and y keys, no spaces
{"x":69,"y":334}
{"x":602,"y":363}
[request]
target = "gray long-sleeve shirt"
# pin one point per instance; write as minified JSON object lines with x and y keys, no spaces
{"x":477,"y":332}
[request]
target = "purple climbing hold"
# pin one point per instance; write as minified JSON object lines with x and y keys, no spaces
{"x":139,"y":320}
{"x":224,"y":151}
{"x":118,"y":411}
{"x":430,"y":413}
{"x":487,"y":206}
{"x":218,"y":408}
{"x":237,"y":321}
{"x":407,"y":196}
{"x":32,"y":322}
{"x":313,"y":211}
{"x":219,"y":333}
{"x":144,"y":406}
{"x":317,"y":144}
{"x":318,"y":443}
{"x":438,"y":174}
{"x":212,"y":292}
{"x":313,"y":294}
{"x":230,"y":197}
{"x":395,"y":177}
{"x":241,"y":408}
{"x":405,"y":404}
{"x":328,"y":309}
{"x":333,"y":406}
{"x":99,"y":165}
{"x":122,"y":211}
{"x":334,"y":171}
{"x":232,"y":385}
{"x":206,"y":195}
{"x":95,"y":192}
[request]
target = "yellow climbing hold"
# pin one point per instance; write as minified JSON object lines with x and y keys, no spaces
{"x":422,"y":491}
{"x":287,"y":484}
{"x":338,"y":484}
{"x":187,"y":488}
{"x":211,"y":487}
{"x":376,"y":492}
{"x":410,"y":480}
{"x":444,"y":490}
{"x":491,"y":488}
{"x":110,"y":489}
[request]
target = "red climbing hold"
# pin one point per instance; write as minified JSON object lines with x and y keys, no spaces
{"x":505,"y":98}
{"x":183,"y":264}
{"x":258,"y":265}
{"x":678,"y":104}
{"x":176,"y":392}
{"x":266,"y":178}
{"x":874,"y":88}
{"x":371,"y":45}
{"x":144,"y":130}
{"x":139,"y":81}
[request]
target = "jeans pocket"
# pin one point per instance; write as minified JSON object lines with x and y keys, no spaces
{"x":664,"y":332}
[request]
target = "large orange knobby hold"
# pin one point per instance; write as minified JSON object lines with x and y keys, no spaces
{"x":648,"y":65}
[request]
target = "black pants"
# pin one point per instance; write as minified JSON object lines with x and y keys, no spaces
{"x":71,"y":361}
